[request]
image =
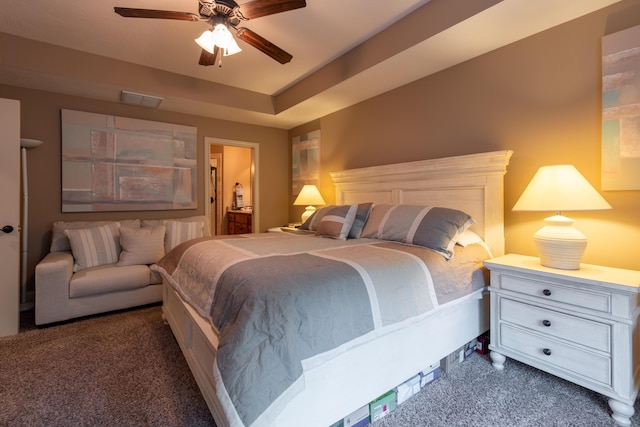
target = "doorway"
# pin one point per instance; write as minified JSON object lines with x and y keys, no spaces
{"x":223,"y":173}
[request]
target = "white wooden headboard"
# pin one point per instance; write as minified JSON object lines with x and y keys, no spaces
{"x":471,"y":183}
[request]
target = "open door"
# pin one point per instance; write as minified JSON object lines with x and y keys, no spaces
{"x":10,"y":216}
{"x":214,"y":149}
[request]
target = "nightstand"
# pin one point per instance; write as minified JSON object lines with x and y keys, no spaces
{"x":580,"y":325}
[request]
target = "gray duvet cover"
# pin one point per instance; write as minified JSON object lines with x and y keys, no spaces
{"x":277,"y":299}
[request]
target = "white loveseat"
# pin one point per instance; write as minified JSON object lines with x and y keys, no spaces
{"x":99,"y":266}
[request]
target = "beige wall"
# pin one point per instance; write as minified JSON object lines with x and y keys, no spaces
{"x":40,"y":119}
{"x":237,"y":169}
{"x":540,"y":97}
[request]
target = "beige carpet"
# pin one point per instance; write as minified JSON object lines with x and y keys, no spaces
{"x":122,"y":369}
{"x":125,"y":369}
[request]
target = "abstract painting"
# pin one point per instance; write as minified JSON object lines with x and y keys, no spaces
{"x":305,"y":160}
{"x":112,"y":163}
{"x":621,"y":110}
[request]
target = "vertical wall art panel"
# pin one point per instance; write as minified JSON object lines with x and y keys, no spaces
{"x":621,"y":110}
{"x":305,"y":159}
{"x":114,"y":163}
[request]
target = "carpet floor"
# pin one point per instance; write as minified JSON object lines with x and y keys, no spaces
{"x":126,"y":369}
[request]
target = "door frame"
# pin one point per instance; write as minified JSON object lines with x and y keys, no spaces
{"x":255,"y":182}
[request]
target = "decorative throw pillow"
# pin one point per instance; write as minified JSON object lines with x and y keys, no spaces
{"x":60,"y":241}
{"x":195,"y":218}
{"x":313,"y":221}
{"x":143,"y":245}
{"x":432,"y":227}
{"x":337,"y":222}
{"x":361,"y":219}
{"x":180,"y":231}
{"x":94,"y":246}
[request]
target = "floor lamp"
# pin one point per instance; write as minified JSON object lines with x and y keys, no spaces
{"x":25,"y":144}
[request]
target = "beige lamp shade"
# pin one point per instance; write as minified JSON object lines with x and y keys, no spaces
{"x":560,"y":188}
{"x":555,"y":189}
{"x":309,"y":195}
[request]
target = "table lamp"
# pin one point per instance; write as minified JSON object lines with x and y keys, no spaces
{"x":309,"y":196}
{"x":560,"y":188}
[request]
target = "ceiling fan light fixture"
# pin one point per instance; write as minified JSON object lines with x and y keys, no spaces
{"x":205,"y":41}
{"x":220,"y":36}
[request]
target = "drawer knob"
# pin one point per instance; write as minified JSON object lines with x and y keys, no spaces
{"x":546,"y":323}
{"x":546,"y":351}
{"x":546,"y":292}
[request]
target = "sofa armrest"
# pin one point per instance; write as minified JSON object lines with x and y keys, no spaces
{"x":52,"y":276}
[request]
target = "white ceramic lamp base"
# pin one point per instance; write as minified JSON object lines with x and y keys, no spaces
{"x":308,"y":211}
{"x":559,"y":244}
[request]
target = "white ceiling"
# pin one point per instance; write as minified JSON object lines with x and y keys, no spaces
{"x":317,"y":35}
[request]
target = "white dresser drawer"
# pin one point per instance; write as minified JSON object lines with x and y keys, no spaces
{"x":553,"y":292}
{"x":563,"y":356}
{"x":581,"y":331}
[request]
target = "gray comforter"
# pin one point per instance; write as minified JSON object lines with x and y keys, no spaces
{"x":277,"y":299}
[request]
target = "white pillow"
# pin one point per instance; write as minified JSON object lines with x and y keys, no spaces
{"x":181,"y":231}
{"x":93,"y":246}
{"x":143,"y":245}
{"x":467,"y":237}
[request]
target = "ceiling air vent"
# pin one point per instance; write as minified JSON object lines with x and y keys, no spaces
{"x":134,"y":98}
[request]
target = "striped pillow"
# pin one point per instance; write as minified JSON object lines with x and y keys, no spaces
{"x":337,"y":222}
{"x":432,"y":227}
{"x":94,"y":246}
{"x":143,"y":245}
{"x":181,"y":231}
{"x":361,"y":219}
{"x":313,"y":221}
{"x":60,"y":241}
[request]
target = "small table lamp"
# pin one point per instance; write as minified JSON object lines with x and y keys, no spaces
{"x":560,"y":188}
{"x":309,"y":196}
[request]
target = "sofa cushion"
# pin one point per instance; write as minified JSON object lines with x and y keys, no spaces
{"x":141,"y":245}
{"x":195,"y":218}
{"x":108,"y":278}
{"x":94,"y":246}
{"x":60,"y":242}
{"x":181,"y":231}
{"x":156,"y":278}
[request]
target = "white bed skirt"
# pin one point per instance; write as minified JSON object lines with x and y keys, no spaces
{"x":349,"y":380}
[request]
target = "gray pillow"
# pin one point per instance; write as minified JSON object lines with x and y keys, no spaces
{"x":431,"y":227}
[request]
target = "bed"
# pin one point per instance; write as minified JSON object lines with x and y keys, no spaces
{"x":347,"y":363}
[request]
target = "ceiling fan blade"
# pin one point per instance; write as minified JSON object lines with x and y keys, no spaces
{"x":257,"y":8}
{"x":264,"y":45}
{"x":207,"y":58}
{"x":128,"y":12}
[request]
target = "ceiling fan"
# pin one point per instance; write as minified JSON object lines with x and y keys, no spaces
{"x":225,"y":15}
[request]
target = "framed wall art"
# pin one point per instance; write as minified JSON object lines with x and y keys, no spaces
{"x":305,"y":159}
{"x":112,"y":163}
{"x":621,"y":110}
